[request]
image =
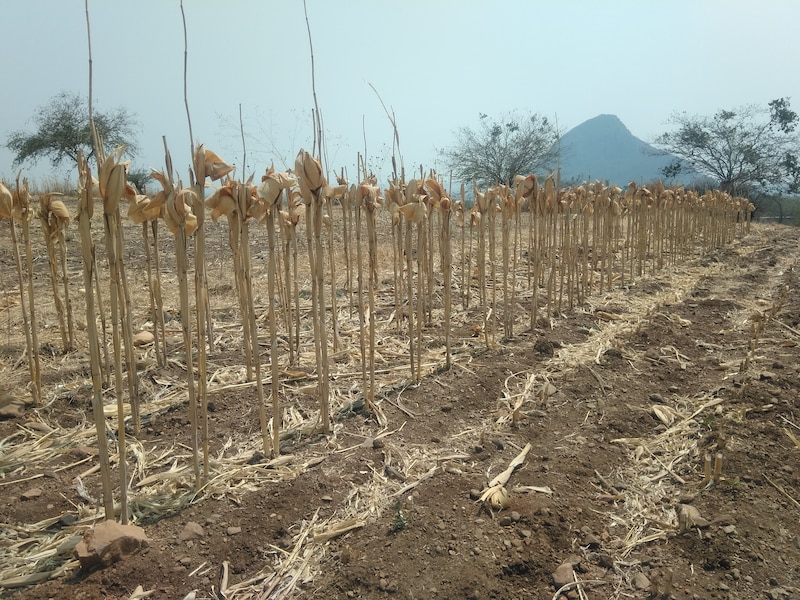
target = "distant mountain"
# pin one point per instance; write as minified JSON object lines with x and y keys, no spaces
{"x":603,"y":148}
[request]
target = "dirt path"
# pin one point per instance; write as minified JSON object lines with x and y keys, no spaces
{"x":620,"y":402}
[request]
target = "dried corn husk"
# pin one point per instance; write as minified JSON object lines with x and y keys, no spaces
{"x":413,"y":211}
{"x":495,"y":497}
{"x":113,"y":180}
{"x":222,"y":202}
{"x":179,"y":212}
{"x":6,"y":203}
{"x":53,"y":213}
{"x":215,"y":167}
{"x":309,"y":174}
{"x":272,"y":184}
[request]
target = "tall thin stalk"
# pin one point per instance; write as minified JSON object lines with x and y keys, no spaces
{"x":327,"y":220}
{"x":85,"y":211}
{"x":182,"y":223}
{"x":311,"y":183}
{"x":22,"y":198}
{"x":443,"y":203}
{"x":54,"y":217}
{"x":369,"y":195}
{"x":358,"y":200}
{"x":112,"y":187}
{"x":206,"y":164}
{"x":271,"y":191}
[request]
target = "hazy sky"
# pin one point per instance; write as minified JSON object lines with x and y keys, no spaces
{"x":437,"y":64}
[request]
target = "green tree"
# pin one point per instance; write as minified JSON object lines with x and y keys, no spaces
{"x":62,"y":130}
{"x":139,"y":177}
{"x":497,"y":150}
{"x":747,"y":150}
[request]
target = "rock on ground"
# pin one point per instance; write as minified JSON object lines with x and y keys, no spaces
{"x":109,"y":542}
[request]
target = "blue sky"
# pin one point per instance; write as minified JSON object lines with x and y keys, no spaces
{"x":437,"y":64}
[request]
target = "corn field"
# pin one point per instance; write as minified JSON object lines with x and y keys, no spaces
{"x":354,"y":273}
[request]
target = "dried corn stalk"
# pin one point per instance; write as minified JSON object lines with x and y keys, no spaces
{"x":21,"y":211}
{"x":271,"y":190}
{"x":112,"y":179}
{"x":182,"y":223}
{"x":206,"y":164}
{"x":311,"y":183}
{"x":85,"y":212}
{"x":495,"y":495}
{"x":54,"y":217}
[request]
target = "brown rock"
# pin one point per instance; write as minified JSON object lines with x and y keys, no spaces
{"x":190,"y":531}
{"x":641,"y":582}
{"x":107,"y":543}
{"x":31,"y":494}
{"x":563,"y":575}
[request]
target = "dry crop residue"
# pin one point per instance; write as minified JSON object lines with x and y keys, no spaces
{"x":620,"y":413}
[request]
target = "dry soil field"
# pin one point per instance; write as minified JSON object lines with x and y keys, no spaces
{"x":620,"y":399}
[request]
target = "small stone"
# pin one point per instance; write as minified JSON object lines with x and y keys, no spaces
{"x":31,"y":494}
{"x":474,"y":494}
{"x":689,"y":515}
{"x":729,"y":529}
{"x":190,"y":531}
{"x":673,"y":389}
{"x":67,"y":520}
{"x":185,"y":561}
{"x":377,"y":444}
{"x":506,"y":521}
{"x":641,"y":582}
{"x":387,"y":586}
{"x":326,"y":499}
{"x":109,"y":542}
{"x":592,"y":541}
{"x":515,"y":516}
{"x":656,"y":398}
{"x":258,"y":457}
{"x":563,"y":575}
{"x":233,"y":530}
{"x":724,"y":587}
{"x":605,"y":560}
{"x":143,"y":338}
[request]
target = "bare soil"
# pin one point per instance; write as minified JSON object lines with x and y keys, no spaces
{"x":621,"y":400}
